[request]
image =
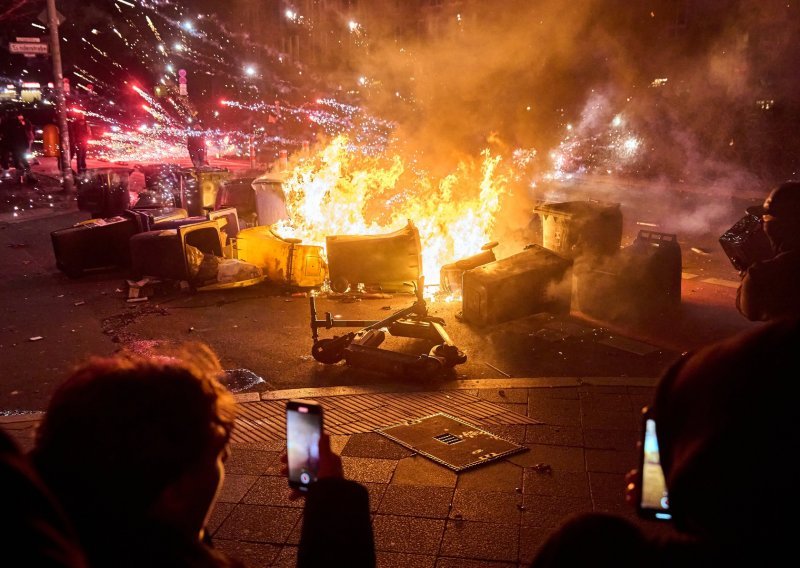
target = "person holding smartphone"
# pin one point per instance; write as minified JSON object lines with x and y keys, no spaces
{"x":725,"y":425}
{"x":337,"y":529}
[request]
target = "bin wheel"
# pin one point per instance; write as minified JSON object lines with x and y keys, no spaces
{"x":328,"y":351}
{"x":451,"y":354}
{"x":429,"y":366}
{"x":340,"y":285}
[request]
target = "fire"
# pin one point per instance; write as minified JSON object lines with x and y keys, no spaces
{"x":341,"y":190}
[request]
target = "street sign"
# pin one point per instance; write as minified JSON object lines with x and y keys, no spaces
{"x":29,"y":39}
{"x":182,"y":90}
{"x":29,"y":48}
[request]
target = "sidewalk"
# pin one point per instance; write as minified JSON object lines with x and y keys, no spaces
{"x":425,"y":515}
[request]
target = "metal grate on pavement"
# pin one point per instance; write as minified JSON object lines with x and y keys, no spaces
{"x":354,"y":414}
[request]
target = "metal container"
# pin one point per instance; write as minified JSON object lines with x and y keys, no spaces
{"x":388,"y":261}
{"x":535,"y":280}
{"x":575,"y":228}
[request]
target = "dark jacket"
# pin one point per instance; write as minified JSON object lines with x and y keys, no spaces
{"x":771,"y":289}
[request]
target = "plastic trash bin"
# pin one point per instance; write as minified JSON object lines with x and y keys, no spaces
{"x":270,"y":198}
{"x":103,"y":192}
{"x":574,"y":228}
{"x":199,"y":187}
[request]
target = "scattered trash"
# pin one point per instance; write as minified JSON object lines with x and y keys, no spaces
{"x":36,"y":338}
{"x":701,"y":251}
{"x":137,"y":300}
{"x":386,"y":308}
{"x":299,"y":295}
{"x":80,"y":303}
{"x":17,"y":245}
{"x":543,"y":468}
{"x":237,"y":380}
{"x":644,"y":224}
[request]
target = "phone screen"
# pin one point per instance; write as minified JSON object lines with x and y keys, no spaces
{"x":303,"y":431}
{"x":654,"y":502}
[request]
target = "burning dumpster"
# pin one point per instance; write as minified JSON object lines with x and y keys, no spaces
{"x":389,"y":261}
{"x":575,"y":228}
{"x":746,"y":242}
{"x":642,"y":280}
{"x":282,"y":260}
{"x":535,"y":280}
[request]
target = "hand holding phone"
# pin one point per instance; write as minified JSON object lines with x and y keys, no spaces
{"x":303,"y":433}
{"x":653,"y":500}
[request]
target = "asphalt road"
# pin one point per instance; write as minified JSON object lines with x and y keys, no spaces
{"x":266,"y":328}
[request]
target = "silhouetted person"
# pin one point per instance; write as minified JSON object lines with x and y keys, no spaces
{"x":770,"y":289}
{"x":727,"y":430}
{"x":196,"y":145}
{"x":33,"y":528}
{"x":134,"y":449}
{"x":15,"y":142}
{"x":79,"y":135}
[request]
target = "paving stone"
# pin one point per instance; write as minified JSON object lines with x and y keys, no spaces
{"x":480,"y":541}
{"x":557,"y":411}
{"x":294,"y":536}
{"x":235,"y":487}
{"x":554,"y":435}
{"x":418,"y":470}
{"x":607,"y":389}
{"x":252,"y":462}
{"x":407,"y":534}
{"x":560,"y":458}
{"x":418,"y":501}
{"x":566,"y":393}
{"x":271,"y":490}
{"x":531,"y":540}
{"x":287,"y":558}
{"x":376,"y":492}
{"x":610,"y":461}
{"x":495,"y":476}
{"x":607,"y":486}
{"x":463,"y":563}
{"x":338,"y":442}
{"x":511,"y":432}
{"x":623,"y":440}
{"x":605,"y":402}
{"x":368,"y":469}
{"x":261,"y":445}
{"x":259,"y":523}
{"x":556,"y":483}
{"x":610,"y":420}
{"x":371,"y":445}
{"x":550,"y":511}
{"x":252,"y":554}
{"x":400,"y":560}
{"x":219,"y":513}
{"x":487,"y":506}
{"x":504,"y":395}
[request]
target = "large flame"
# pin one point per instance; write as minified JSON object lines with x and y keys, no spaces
{"x":341,"y":190}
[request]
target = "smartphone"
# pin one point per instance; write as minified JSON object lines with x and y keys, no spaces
{"x":654,"y":500}
{"x":303,"y":431}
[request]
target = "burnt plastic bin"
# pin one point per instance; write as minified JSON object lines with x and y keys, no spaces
{"x":199,"y":188}
{"x":239,"y":193}
{"x":148,"y":218}
{"x":642,"y":281}
{"x":163,"y":253}
{"x":96,"y":244}
{"x":450,"y":275}
{"x":533,"y":281}
{"x":575,"y":228}
{"x":746,"y":242}
{"x":103,"y":192}
{"x":387,"y":261}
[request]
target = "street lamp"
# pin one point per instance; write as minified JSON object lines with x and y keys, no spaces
{"x":250,"y":71}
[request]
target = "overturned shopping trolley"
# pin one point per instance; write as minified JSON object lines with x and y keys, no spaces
{"x":361,"y":348}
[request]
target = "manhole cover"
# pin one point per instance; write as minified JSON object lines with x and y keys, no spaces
{"x":450,"y":441}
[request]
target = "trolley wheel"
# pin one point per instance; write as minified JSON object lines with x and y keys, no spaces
{"x":340,"y":284}
{"x":451,"y":354}
{"x":328,"y":351}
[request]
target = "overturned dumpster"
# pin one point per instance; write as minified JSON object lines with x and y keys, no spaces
{"x":391,"y":262}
